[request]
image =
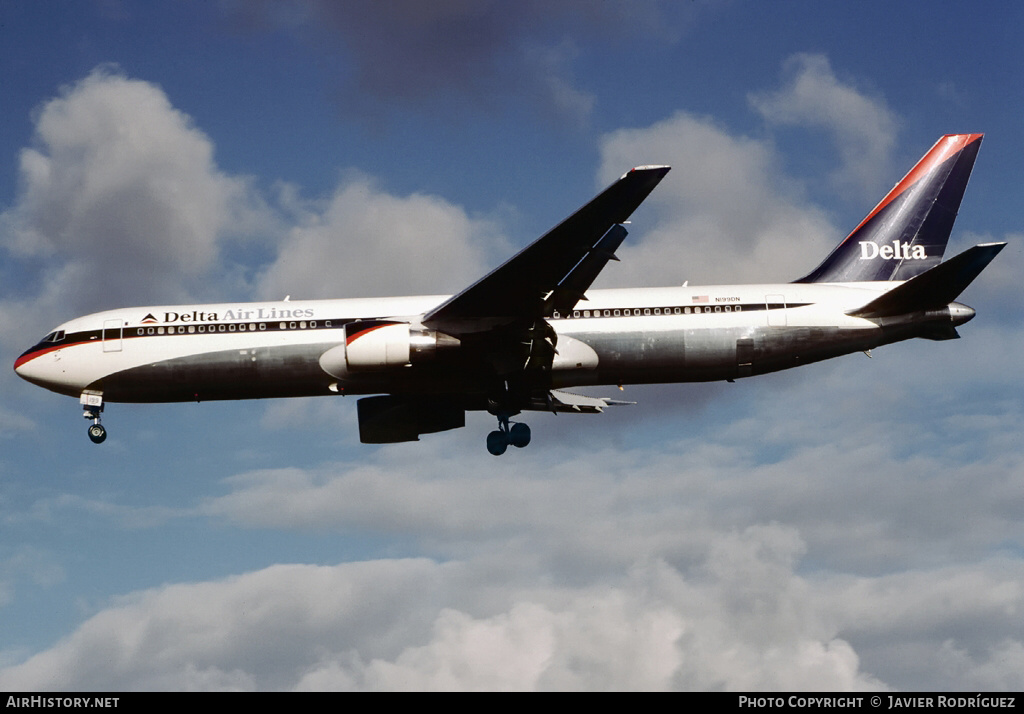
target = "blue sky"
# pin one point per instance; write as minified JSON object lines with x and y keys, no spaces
{"x":853,"y":524}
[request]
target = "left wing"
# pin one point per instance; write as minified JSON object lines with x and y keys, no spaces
{"x":570,"y":255}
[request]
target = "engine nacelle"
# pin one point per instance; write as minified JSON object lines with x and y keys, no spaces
{"x":376,"y":345}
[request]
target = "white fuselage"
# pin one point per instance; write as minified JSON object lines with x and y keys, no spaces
{"x":273,"y":349}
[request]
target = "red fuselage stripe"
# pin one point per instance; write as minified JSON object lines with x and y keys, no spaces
{"x":29,"y":356}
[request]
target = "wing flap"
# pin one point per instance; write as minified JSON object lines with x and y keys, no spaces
{"x":559,"y":401}
{"x":575,"y":284}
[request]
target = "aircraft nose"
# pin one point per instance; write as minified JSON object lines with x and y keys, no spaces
{"x":30,"y":367}
{"x":22,"y":366}
{"x":960,"y":313}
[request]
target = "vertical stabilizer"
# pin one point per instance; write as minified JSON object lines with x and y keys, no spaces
{"x":906,"y":234}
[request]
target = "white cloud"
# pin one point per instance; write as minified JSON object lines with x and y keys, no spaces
{"x":413,"y":625}
{"x":12,"y":423}
{"x":926,"y":627}
{"x":862,"y":127}
{"x":726,"y":213}
{"x":263,"y":628}
{"x":742,"y":619}
{"x":122,"y":197}
{"x":554,"y":81}
{"x":23,"y":565}
{"x":857,"y":461}
{"x":54,"y":509}
{"x":366,"y":242}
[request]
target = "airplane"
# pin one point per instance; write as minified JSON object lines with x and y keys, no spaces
{"x":519,"y":337}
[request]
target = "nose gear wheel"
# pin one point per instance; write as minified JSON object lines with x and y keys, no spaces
{"x":93,"y":404}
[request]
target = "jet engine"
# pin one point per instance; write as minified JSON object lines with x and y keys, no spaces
{"x":376,"y":345}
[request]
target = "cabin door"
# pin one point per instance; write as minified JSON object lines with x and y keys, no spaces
{"x":775,"y":306}
{"x":113,"y":335}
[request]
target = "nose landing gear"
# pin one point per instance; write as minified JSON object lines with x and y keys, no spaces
{"x":517,"y":435}
{"x":93,"y":404}
{"x":97,"y":433}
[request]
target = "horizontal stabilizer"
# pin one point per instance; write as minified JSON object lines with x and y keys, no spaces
{"x":935,"y":288}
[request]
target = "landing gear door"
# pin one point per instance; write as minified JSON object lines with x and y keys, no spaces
{"x":113,"y":335}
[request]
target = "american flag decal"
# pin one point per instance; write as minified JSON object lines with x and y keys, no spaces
{"x":700,"y":298}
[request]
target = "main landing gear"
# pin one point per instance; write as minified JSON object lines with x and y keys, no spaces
{"x":517,"y":435}
{"x":93,"y":404}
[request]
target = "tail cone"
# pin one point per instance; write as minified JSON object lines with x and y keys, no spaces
{"x":959,"y":314}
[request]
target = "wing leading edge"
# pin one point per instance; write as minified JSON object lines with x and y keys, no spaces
{"x":570,"y":255}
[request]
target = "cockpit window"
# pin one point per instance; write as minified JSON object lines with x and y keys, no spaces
{"x":55,"y":336}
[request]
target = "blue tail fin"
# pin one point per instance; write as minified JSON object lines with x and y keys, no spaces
{"x":906,"y":234}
